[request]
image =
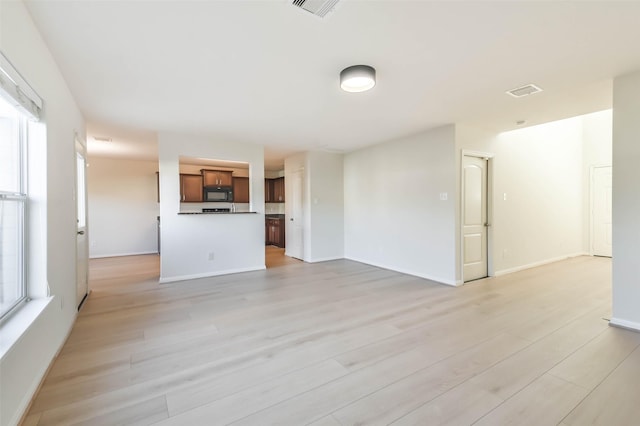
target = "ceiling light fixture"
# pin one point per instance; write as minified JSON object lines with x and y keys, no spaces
{"x":101,"y":139}
{"x":357,"y":78}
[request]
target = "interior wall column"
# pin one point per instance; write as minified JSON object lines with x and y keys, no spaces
{"x":626,"y":201}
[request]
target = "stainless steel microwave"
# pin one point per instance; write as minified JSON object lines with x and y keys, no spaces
{"x":218,"y":194}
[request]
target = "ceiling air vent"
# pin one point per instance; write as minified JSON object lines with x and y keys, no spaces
{"x":527,"y":90}
{"x":317,"y":7}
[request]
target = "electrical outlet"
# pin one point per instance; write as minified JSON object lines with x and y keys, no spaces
{"x":211,"y":255}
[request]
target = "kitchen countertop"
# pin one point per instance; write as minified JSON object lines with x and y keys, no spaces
{"x":274,"y":216}
{"x":217,"y":212}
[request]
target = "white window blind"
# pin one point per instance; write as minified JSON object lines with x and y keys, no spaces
{"x":17,"y":91}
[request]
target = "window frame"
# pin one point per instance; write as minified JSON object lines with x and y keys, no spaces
{"x":22,"y":198}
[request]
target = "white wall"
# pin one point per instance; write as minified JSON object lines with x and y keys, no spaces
{"x":626,"y":201}
{"x":123,"y":207}
{"x":543,"y":170}
{"x":25,"y":363}
{"x":236,"y":240}
{"x":326,"y":206}
{"x":394,"y":217}
{"x":597,"y":133}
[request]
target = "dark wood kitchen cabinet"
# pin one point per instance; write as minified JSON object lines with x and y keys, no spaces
{"x":240,"y":190}
{"x":274,"y":232}
{"x":278,"y":190}
{"x":268,"y":191}
{"x":190,"y":188}
{"x":274,"y":190}
{"x":217,"y":177}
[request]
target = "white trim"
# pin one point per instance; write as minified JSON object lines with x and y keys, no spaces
{"x":620,"y":323}
{"x":481,"y":154}
{"x":208,"y":274}
{"x":139,"y":253}
{"x":323,"y":259}
{"x":437,"y":280}
{"x":540,"y":263}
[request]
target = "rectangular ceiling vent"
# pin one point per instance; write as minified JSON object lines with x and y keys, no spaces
{"x":317,"y":7}
{"x":527,"y":90}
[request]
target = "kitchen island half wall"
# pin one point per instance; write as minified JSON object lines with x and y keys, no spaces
{"x":202,"y":245}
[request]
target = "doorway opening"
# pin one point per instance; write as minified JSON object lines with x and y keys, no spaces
{"x":274,"y":257}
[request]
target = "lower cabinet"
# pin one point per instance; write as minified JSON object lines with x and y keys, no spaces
{"x":274,"y":232}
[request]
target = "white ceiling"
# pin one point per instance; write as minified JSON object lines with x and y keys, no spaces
{"x":266,"y":72}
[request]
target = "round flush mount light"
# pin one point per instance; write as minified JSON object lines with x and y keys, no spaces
{"x":357,"y":78}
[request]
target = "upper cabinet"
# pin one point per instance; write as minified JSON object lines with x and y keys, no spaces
{"x":213,"y":181}
{"x":274,"y":190}
{"x":241,"y":189}
{"x":190,"y":188}
{"x":217,"y":178}
{"x":278,"y":190}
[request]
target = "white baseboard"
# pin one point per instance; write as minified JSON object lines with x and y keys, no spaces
{"x":100,"y":256}
{"x":405,"y":271}
{"x":629,"y":325}
{"x":163,"y":280}
{"x":540,"y":263}
{"x":324,"y":259}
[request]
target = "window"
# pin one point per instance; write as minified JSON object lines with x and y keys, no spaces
{"x":13,"y":201}
{"x":18,"y":102}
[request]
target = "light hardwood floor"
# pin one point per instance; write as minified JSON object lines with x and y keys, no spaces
{"x":342,"y":343}
{"x":274,"y":257}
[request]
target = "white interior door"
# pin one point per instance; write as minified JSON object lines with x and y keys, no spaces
{"x":295,"y":225}
{"x":474,"y":217}
{"x":601,"y":191}
{"x":82,"y":246}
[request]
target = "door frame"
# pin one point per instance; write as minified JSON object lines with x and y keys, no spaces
{"x":591,"y":198}
{"x":289,"y":219}
{"x":489,"y":157}
{"x":80,"y":146}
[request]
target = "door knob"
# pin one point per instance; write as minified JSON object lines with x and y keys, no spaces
{"x":80,"y":232}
